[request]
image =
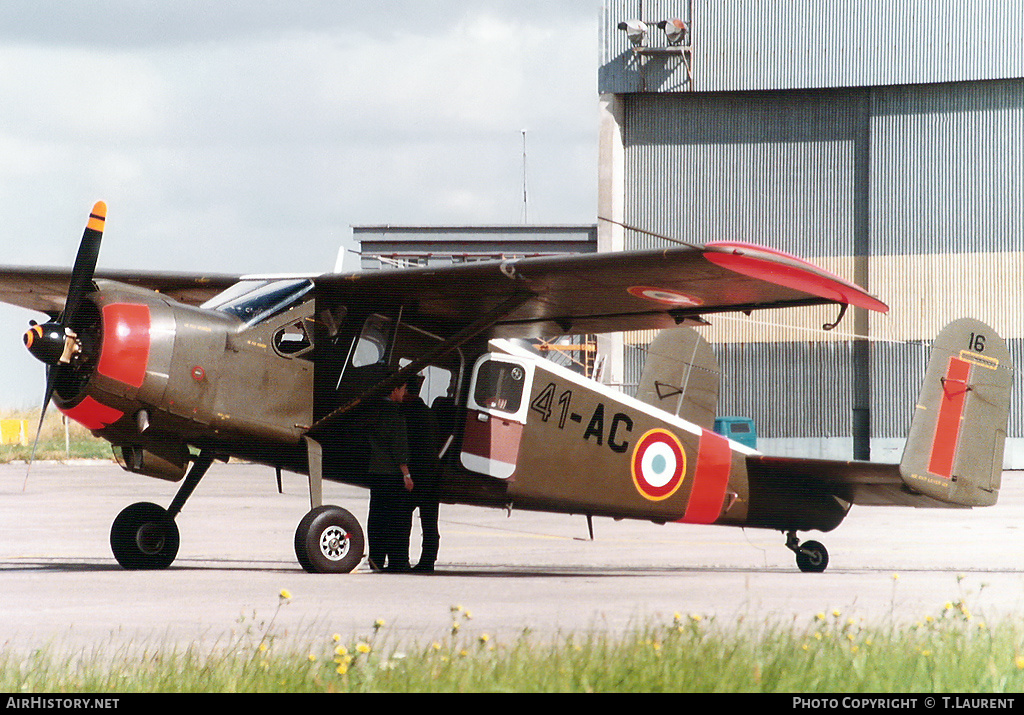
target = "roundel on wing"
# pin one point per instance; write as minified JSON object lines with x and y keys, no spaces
{"x":665,"y":296}
{"x":658,"y":464}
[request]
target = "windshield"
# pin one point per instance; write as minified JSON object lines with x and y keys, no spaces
{"x":253,"y":301}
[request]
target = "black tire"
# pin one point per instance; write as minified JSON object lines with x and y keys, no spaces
{"x":143,"y":536}
{"x":329,"y":540}
{"x":812,"y":557}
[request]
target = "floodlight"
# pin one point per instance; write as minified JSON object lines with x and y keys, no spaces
{"x":675,"y":30}
{"x":635,"y":31}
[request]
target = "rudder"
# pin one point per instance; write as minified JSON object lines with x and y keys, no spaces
{"x":954,"y":452}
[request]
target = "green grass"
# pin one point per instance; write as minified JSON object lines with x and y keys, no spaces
{"x":828,"y":653}
{"x":80,"y":443}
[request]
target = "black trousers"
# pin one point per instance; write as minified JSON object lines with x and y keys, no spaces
{"x":389,"y":521}
{"x":431,"y":536}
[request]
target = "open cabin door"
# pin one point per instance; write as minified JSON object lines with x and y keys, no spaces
{"x":496,"y":411}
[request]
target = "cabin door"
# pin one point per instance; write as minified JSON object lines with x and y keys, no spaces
{"x":496,"y":413}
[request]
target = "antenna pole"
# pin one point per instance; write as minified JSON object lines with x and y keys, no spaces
{"x":526,"y":212}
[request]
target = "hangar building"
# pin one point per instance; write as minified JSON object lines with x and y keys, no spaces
{"x":882,"y":139}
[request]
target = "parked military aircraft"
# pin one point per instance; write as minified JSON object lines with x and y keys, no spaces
{"x":177,"y":371}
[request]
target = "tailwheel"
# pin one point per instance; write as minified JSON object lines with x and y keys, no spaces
{"x":811,"y":556}
{"x":329,"y":540}
{"x":144,"y":536}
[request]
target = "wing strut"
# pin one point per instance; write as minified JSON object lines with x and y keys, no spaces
{"x":466,"y":334}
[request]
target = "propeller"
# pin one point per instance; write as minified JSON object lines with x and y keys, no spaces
{"x":55,"y":343}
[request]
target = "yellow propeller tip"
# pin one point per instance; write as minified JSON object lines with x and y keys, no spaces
{"x":98,"y":216}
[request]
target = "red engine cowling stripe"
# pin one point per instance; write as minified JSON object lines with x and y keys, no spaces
{"x":125,"y":351}
{"x":92,"y":414}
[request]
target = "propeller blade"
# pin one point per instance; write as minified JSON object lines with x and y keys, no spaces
{"x":85,"y":263}
{"x":79,"y":286}
{"x":50,"y":385}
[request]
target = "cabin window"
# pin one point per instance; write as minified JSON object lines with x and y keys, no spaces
{"x":293,"y":339}
{"x":263,"y":300}
{"x":371,"y":348}
{"x":499,"y":386}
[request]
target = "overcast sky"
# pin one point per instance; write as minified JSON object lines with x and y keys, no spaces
{"x":235,"y":136}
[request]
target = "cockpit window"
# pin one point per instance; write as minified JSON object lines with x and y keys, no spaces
{"x":253,"y":301}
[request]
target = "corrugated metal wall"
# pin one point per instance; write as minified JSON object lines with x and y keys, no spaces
{"x":772,"y":44}
{"x":882,"y":138}
{"x":778,"y":168}
{"x":944,"y":228}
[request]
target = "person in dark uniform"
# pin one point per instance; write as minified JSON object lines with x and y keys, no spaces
{"x":424,"y":436}
{"x":391,"y":482}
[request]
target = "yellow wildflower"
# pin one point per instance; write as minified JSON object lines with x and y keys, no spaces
{"x":285,"y":594}
{"x":340,"y":650}
{"x":1019,"y":662}
{"x":362,"y":647}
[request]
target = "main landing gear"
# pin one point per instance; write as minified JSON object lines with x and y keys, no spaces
{"x":811,"y":556}
{"x":144,"y":535}
{"x":327,"y":540}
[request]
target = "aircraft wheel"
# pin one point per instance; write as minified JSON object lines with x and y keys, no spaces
{"x":812,"y":557}
{"x":329,"y":540}
{"x":143,"y":536}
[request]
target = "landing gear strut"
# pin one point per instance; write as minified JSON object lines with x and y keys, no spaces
{"x":811,"y":556}
{"x":144,"y":535}
{"x":328,"y":539}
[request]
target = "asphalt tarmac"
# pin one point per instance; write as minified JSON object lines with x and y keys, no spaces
{"x":498,"y":574}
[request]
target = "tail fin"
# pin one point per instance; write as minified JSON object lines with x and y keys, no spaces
{"x":954,"y":452}
{"x":681,"y":376}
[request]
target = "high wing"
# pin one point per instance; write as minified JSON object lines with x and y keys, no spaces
{"x":590,"y":293}
{"x":45,"y":289}
{"x":602,"y":292}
